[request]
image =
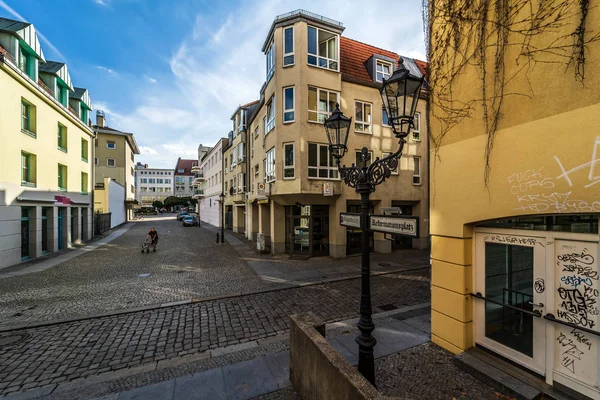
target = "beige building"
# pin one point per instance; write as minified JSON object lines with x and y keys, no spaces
{"x":45,"y":151}
{"x":295,"y":196}
{"x":208,"y":184}
{"x":235,"y":167}
{"x":515,"y":194}
{"x":115,"y":159}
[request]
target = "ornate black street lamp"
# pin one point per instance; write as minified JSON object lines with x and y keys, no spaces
{"x":222,"y":197}
{"x":400,"y":95}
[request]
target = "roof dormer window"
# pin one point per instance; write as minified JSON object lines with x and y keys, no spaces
{"x":323,"y":48}
{"x":383,"y":70}
{"x":25,"y":62}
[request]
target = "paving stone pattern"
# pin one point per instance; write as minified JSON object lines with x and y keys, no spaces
{"x":64,"y":352}
{"x":187,"y":265}
{"x":426,"y":372}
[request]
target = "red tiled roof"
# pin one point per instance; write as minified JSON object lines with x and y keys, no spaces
{"x":186,"y":166}
{"x":423,"y":66}
{"x":354,"y":54}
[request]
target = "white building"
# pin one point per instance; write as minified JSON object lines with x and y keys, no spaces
{"x":152,"y":184}
{"x":208,"y":184}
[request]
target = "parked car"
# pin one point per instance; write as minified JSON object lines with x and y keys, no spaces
{"x":190,"y":221}
{"x":182,"y":215}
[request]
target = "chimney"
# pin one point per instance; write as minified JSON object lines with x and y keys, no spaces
{"x":100,"y":119}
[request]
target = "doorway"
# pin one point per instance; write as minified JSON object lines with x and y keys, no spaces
{"x":60,"y":215}
{"x":509,"y":321}
{"x":307,"y":230}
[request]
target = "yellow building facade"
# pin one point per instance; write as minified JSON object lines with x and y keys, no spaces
{"x":45,"y":151}
{"x":294,"y":194}
{"x":514,"y":197}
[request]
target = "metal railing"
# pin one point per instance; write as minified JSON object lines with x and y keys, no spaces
{"x":551,"y":317}
{"x":534,"y":313}
{"x":308,"y":14}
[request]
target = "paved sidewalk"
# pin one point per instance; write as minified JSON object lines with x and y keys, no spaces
{"x":269,"y":373}
{"x":282,"y":271}
{"x":42,"y":265}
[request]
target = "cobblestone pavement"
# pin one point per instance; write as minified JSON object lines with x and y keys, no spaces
{"x":426,"y":372}
{"x":60,"y":353}
{"x":188,"y":264}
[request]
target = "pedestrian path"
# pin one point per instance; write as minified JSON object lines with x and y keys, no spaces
{"x":54,"y":261}
{"x":266,"y":374}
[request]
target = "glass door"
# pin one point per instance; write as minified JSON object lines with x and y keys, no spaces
{"x":301,"y":229}
{"x":509,"y":276}
{"x":59,"y":222}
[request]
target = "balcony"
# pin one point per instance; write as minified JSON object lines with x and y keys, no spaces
{"x":198,"y":194}
{"x":198,"y":178}
{"x":196,"y":168}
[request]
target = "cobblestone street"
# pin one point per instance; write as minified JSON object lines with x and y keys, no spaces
{"x":68,"y":351}
{"x":187,"y":265}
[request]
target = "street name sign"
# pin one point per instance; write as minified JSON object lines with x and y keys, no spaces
{"x":351,"y":220}
{"x":395,"y":224}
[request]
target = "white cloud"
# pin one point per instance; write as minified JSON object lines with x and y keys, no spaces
{"x":40,"y":35}
{"x":110,"y":71}
{"x":148,"y":151}
{"x":101,"y":2}
{"x":219,"y":65}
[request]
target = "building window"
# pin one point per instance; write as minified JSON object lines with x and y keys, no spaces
{"x":27,"y":118}
{"x":28,"y":172}
{"x":84,"y":150}
{"x":288,"y":104}
{"x":288,"y":46}
{"x":62,"y":177}
{"x":241,"y":154}
{"x":62,"y":138}
{"x":359,"y":162}
{"x":322,"y":48}
{"x":111,"y":145}
{"x":394,"y":172}
{"x":417,"y":170}
{"x":84,"y":183}
{"x":384,"y":117}
{"x":84,"y":113}
{"x":25,"y":62}
{"x":241,"y":182}
{"x":96,"y":161}
{"x":270,"y":124}
{"x":288,"y":161}
{"x":179,"y":180}
{"x":321,"y":104}
{"x":144,"y":180}
{"x":383,"y":70}
{"x":270,"y":61}
{"x":111,"y":162}
{"x":417,"y":127}
{"x":320,"y":162}
{"x":256,"y":132}
{"x":270,"y":166}
{"x":362,"y":117}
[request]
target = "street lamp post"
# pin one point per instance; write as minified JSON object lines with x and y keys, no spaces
{"x":222,"y":197}
{"x":400,"y":95}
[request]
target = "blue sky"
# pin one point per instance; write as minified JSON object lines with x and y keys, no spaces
{"x":173,"y":72}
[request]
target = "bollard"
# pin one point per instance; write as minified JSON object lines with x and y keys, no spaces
{"x":217,"y":238}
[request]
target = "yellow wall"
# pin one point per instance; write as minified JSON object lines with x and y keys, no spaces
{"x":45,"y":145}
{"x":548,"y":124}
{"x":122,"y":172}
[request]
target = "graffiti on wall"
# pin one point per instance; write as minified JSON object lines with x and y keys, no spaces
{"x":577,"y":297}
{"x":537,"y":191}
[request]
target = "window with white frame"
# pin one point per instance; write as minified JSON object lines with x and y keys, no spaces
{"x":270,"y":166}
{"x":323,"y":48}
{"x":270,"y":60}
{"x":256,"y":131}
{"x":362,"y":117}
{"x":234,"y":184}
{"x":240,"y":118}
{"x":111,"y":145}
{"x":358,"y":161}
{"x":383,"y":70}
{"x":233,"y":157}
{"x":226,"y":165}
{"x":288,"y":161}
{"x":241,"y":154}
{"x":394,"y":172}
{"x":111,"y":162}
{"x":288,"y":105}
{"x":241,"y":182}
{"x":321,"y":104}
{"x":320,"y":162}
{"x":417,"y":170}
{"x":288,"y":46}
{"x":416,"y":130}
{"x":270,"y":124}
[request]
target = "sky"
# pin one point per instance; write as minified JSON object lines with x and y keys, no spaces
{"x":173,"y":72}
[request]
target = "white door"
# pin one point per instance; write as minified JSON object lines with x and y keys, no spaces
{"x":510,"y":281}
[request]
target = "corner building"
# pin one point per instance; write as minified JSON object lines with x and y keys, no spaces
{"x":515,"y":256}
{"x":45,"y":151}
{"x":295,"y":195}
